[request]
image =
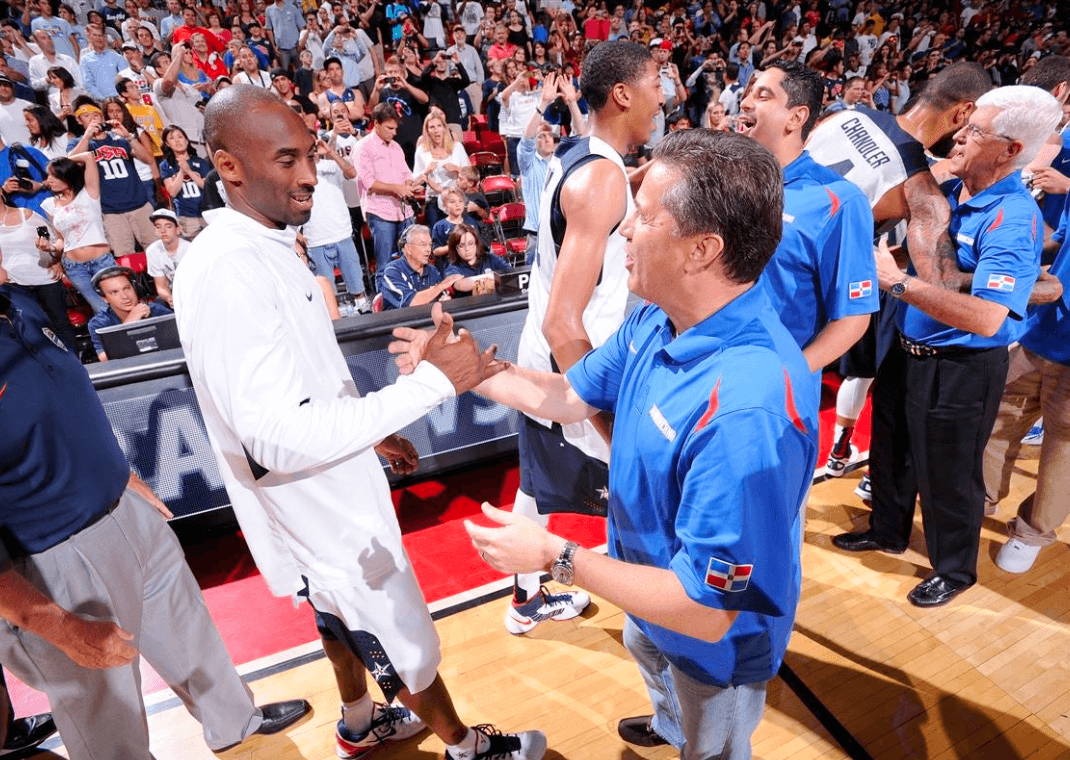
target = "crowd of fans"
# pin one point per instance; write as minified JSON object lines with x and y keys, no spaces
{"x":392,"y":88}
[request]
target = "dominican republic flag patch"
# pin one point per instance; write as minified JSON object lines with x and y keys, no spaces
{"x":726,"y":576}
{"x":861,"y":289}
{"x":1002,"y":282}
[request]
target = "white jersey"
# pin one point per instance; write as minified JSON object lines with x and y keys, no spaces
{"x":605,"y":311}
{"x":292,"y":436}
{"x":868,"y":148}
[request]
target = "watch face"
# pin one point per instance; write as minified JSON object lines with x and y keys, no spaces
{"x":899,"y":289}
{"x":561,"y":574}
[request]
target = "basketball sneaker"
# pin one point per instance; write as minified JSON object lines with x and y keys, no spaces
{"x":526,"y":745}
{"x":390,"y":723}
{"x":864,"y":490}
{"x":1035,"y":436}
{"x":843,"y":454}
{"x":1016,"y":556}
{"x":521,"y":618}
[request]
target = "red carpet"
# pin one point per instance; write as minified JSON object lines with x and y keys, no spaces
{"x":256,"y":624}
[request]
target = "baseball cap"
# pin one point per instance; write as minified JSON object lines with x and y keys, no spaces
{"x":280,"y":72}
{"x":656,"y":42}
{"x":108,"y":272}
{"x":163,"y":213}
{"x":6,"y":79}
{"x":129,"y":46}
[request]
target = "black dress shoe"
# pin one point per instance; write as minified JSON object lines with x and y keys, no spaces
{"x":637,"y":731}
{"x":279,"y":715}
{"x":937,"y":590}
{"x":26,"y":734}
{"x":865,"y":541}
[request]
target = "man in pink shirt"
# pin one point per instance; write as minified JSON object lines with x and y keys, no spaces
{"x":385,"y":182}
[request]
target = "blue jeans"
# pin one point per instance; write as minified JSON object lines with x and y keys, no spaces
{"x":701,"y":720}
{"x":80,"y":273}
{"x":385,"y":237}
{"x":343,"y":255}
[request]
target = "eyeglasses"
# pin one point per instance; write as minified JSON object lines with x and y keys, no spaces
{"x":972,"y":130}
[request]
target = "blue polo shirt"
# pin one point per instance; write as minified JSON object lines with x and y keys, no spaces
{"x":1052,"y":204}
{"x":60,"y":465}
{"x":824,"y":268}
{"x":1047,"y":330}
{"x":714,"y":445}
{"x":998,"y":235}
{"x":399,"y":282}
{"x":490,"y":263}
{"x":108,"y":318}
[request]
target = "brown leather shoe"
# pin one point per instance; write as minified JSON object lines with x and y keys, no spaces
{"x":637,"y":731}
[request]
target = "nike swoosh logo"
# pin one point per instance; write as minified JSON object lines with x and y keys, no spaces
{"x":309,"y":297}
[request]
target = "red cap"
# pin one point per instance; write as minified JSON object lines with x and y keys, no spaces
{"x":666,"y":45}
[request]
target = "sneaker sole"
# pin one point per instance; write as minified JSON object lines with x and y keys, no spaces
{"x":836,"y":471}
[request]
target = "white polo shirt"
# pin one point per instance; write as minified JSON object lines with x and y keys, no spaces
{"x":271,"y":381}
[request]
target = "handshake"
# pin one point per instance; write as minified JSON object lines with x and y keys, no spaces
{"x":456,"y":355}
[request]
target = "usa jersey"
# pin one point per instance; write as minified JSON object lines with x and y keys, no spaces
{"x":605,"y":311}
{"x":189,"y":199}
{"x":121,"y":189}
{"x":868,"y":148}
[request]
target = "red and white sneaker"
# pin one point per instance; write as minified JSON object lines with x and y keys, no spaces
{"x":390,"y":723}
{"x":521,"y":618}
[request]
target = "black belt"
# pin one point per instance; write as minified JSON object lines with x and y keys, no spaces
{"x":98,"y":518}
{"x":921,"y":349}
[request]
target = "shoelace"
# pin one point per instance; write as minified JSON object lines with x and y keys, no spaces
{"x":383,"y":726}
{"x":501,"y":745}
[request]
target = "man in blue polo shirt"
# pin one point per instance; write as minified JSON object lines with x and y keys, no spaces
{"x":938,"y":392}
{"x":412,"y":279}
{"x":703,"y":542}
{"x":822,"y":279}
{"x":1052,"y":73}
{"x":78,"y":527}
{"x":1038,"y":383}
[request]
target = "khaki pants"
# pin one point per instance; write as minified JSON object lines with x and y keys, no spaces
{"x":123,"y":229}
{"x":1035,"y":387}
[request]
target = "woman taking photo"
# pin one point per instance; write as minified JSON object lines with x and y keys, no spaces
{"x":470,"y":260}
{"x":30,"y":264}
{"x":74,"y":210}
{"x":47,"y":133}
{"x":438,"y":161}
{"x":183,"y":173}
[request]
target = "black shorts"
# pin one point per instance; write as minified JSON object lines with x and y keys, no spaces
{"x":560,"y":476}
{"x":865,"y":357}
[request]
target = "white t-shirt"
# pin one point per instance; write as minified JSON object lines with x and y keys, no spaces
{"x":161,"y":262}
{"x":330,"y":220}
{"x":181,"y":109}
{"x":346,"y":147}
{"x":514,"y":117}
{"x":12,"y":122}
{"x":24,"y":263}
{"x":81,"y":222}
{"x":262,"y":79}
{"x":471,"y":16}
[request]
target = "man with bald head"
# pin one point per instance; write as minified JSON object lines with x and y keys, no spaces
{"x":295,"y":441}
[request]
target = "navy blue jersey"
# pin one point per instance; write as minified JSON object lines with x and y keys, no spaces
{"x":60,"y":465}
{"x":399,"y":282}
{"x":190,"y":198}
{"x":121,"y":189}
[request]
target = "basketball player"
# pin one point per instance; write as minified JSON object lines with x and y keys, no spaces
{"x":577,"y":299}
{"x":293,"y":438}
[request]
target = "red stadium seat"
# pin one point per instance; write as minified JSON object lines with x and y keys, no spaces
{"x":499,"y":189}
{"x":471,"y":146}
{"x":139,"y":262}
{"x":493,"y":143}
{"x":487,"y":163}
{"x":79,"y":316}
{"x":510,"y":220}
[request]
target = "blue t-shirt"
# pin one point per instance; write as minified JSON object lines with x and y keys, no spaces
{"x":824,"y":268}
{"x":1052,"y":204}
{"x":399,"y":282}
{"x":998,"y":235}
{"x":440,"y":233}
{"x":1047,"y":330}
{"x":714,"y":445}
{"x":121,"y":189}
{"x":108,"y":318}
{"x":60,"y":465}
{"x":190,"y":197}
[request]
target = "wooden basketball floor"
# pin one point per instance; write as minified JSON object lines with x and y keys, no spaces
{"x":987,"y":676}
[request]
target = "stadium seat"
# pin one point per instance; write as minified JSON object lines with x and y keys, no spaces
{"x":487,"y":163}
{"x":499,"y":189}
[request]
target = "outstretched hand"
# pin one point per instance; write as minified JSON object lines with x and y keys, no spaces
{"x":520,"y":545}
{"x":456,"y":355}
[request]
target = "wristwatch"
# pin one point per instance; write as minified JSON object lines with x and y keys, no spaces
{"x":899,"y":289}
{"x":561,"y":571}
